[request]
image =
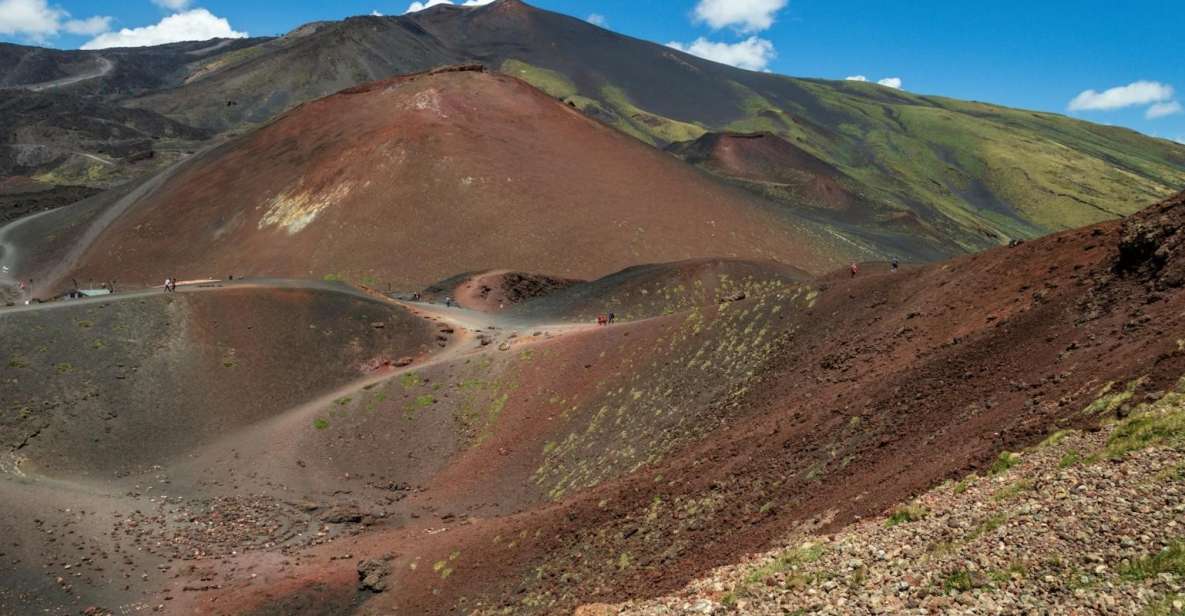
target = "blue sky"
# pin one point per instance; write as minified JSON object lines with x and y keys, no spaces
{"x":1035,"y":54}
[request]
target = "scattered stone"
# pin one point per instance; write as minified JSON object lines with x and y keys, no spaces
{"x":372,"y":575}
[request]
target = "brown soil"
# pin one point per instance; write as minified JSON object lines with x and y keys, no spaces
{"x":882,"y":387}
{"x":495,"y":291}
{"x":371,"y":183}
{"x":560,"y":465}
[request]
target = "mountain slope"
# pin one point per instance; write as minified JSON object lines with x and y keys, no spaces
{"x":413,"y":180}
{"x":108,"y":73}
{"x":973,"y":174}
{"x":61,"y":138}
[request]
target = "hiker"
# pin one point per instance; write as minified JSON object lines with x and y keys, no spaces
{"x":602,"y":319}
{"x":893,"y":265}
{"x":854,"y":269}
{"x":611,"y":317}
{"x":168,"y":284}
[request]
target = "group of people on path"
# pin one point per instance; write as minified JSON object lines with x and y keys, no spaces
{"x":606,"y":319}
{"x":171,"y":284}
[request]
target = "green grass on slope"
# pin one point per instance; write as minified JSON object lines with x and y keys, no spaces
{"x":977,"y":174}
{"x":982,"y":167}
{"x":657,"y":127}
{"x":612,"y":104}
{"x":551,"y":82}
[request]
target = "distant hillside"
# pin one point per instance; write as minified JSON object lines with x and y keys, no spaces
{"x":412,"y":180}
{"x":970,"y":173}
{"x":60,"y":118}
{"x":108,"y":73}
{"x":61,"y":138}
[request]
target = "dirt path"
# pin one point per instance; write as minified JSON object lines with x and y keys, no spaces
{"x":105,"y":67}
{"x":49,"y":281}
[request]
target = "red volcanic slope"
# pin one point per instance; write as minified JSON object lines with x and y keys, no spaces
{"x":415,"y":179}
{"x":688,"y":440}
{"x":768,"y":158}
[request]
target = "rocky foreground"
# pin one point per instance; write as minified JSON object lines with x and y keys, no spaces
{"x":1085,"y":523}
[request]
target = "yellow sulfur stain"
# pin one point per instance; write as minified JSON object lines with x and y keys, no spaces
{"x":294,"y":211}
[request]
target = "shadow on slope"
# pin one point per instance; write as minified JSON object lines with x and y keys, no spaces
{"x":114,"y":386}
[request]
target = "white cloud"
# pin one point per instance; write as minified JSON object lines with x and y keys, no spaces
{"x":888,"y":82}
{"x":172,"y":5}
{"x":752,"y":53}
{"x":89,"y":26}
{"x":194,"y":25}
{"x":37,"y":21}
{"x":421,"y":5}
{"x":744,"y":15}
{"x":375,"y":13}
{"x":1135,"y":93}
{"x":1160,"y":110}
{"x":597,"y":19}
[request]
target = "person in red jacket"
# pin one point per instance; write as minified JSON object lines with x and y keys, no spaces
{"x":854,"y":269}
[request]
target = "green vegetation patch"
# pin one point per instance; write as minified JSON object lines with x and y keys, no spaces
{"x":959,"y":580}
{"x":1110,"y":400}
{"x":1071,"y":458}
{"x":906,"y":513}
{"x":320,"y":423}
{"x":410,"y":380}
{"x":1160,"y":423}
{"x":965,"y":483}
{"x":1169,"y":560}
{"x":788,"y":561}
{"x":552,"y":82}
{"x":1013,"y":490}
{"x":1004,"y":461}
{"x":987,"y":526}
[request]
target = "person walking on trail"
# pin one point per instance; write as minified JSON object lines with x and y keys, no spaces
{"x":893,"y":265}
{"x":168,"y":284}
{"x":611,"y":318}
{"x":855,"y":269}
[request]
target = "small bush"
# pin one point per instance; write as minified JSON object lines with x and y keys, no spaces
{"x":787,"y":561}
{"x":965,"y":483}
{"x":1161,"y":424}
{"x":988,"y":526}
{"x":320,"y":423}
{"x":958,"y":581}
{"x":1005,"y":461}
{"x":906,"y":513}
{"x":1013,"y":490}
{"x":1169,"y":560}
